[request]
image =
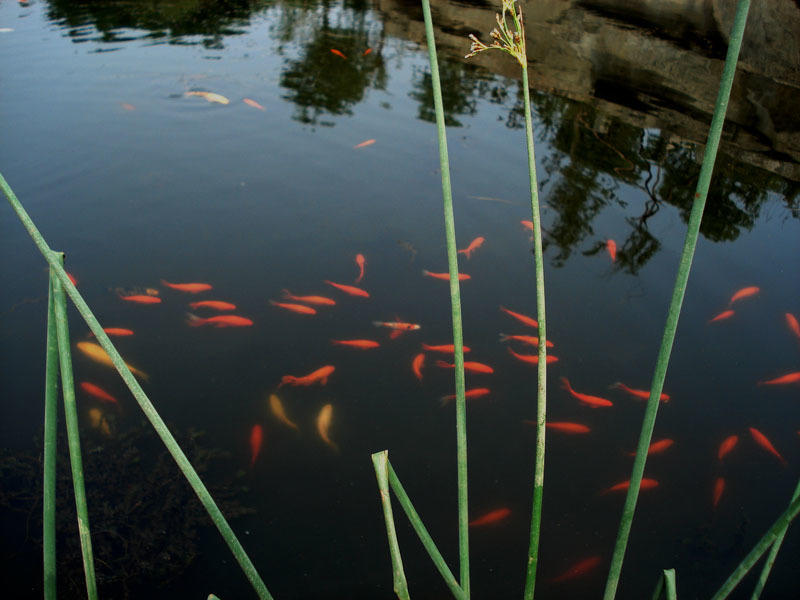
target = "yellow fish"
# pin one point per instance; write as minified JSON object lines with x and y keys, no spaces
{"x":98,"y":421}
{"x":324,"y":424}
{"x":276,"y":406}
{"x":210,"y":96}
{"x":97,"y":354}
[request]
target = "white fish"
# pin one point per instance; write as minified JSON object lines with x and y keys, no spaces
{"x":210,"y":96}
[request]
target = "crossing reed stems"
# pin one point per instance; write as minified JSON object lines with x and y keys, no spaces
{"x":678,"y":292}
{"x":665,"y":588}
{"x":455,"y":305}
{"x":380,"y":463}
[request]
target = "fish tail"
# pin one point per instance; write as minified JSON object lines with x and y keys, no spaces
{"x":426,"y":272}
{"x":441,"y":363}
{"x":165,"y":282}
{"x":565,"y":384}
{"x":141,"y":374}
{"x":194,"y":320}
{"x":287,"y":379}
{"x":445,"y":400}
{"x":504,"y":337}
{"x":378,"y":323}
{"x":286,"y":293}
{"x":616,"y":385}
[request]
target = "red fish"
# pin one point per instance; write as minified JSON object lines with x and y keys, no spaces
{"x":611,"y":248}
{"x":317,"y":300}
{"x":728,"y":444}
{"x":220,"y":321}
{"x":532,"y":358}
{"x":531,"y":340}
{"x":525,"y":320}
{"x":364,"y":143}
{"x":578,"y":569}
{"x":319,"y":376}
{"x":744,"y":293}
{"x":98,"y":392}
{"x":657,"y":447}
{"x":792,"y":323}
{"x":473,"y":393}
{"x":527,"y":225}
{"x":647,"y":484}
{"x":593,"y":401}
{"x":142,"y":299}
{"x":472,"y":366}
{"x":192,"y":288}
{"x":725,"y":314}
{"x":473,"y":245}
{"x":491,"y":517}
{"x":338,"y":53}
{"x":213,"y":304}
{"x":360,"y":344}
{"x":118,"y":331}
{"x":783,"y":379}
{"x":360,"y":261}
{"x":367,"y":51}
{"x":762,"y":441}
{"x":74,"y":281}
{"x":564,"y":426}
{"x":446,"y":348}
{"x":641,"y":394}
{"x":297,"y":308}
{"x":417,"y":364}
{"x":349,"y":289}
{"x":719,"y":488}
{"x":445,"y":276}
{"x":256,"y":438}
{"x":253,"y":103}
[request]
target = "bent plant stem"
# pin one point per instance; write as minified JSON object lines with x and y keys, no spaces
{"x":676,"y":302}
{"x":380,"y":463}
{"x":455,"y":305}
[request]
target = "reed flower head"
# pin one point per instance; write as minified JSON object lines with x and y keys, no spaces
{"x":503,"y":38}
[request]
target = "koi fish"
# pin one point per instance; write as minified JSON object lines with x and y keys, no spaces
{"x":563,"y":426}
{"x":656,"y":447}
{"x":744,"y":293}
{"x":360,"y":261}
{"x":192,"y":288}
{"x":367,"y":51}
{"x":725,"y":314}
{"x":117,"y":331}
{"x":98,"y":392}
{"x":211,"y":97}
{"x":417,"y":364}
{"x":253,"y":103}
{"x":98,"y":421}
{"x":324,"y":424}
{"x":473,"y":245}
{"x":97,"y":354}
{"x":728,"y":444}
{"x":338,"y":53}
{"x":527,"y":225}
{"x":317,"y":300}
{"x":525,"y":339}
{"x":319,"y":376}
{"x":491,"y":517}
{"x":525,"y":320}
{"x":472,"y":366}
{"x":611,"y":248}
{"x":360,"y":344}
{"x":297,"y":308}
{"x":219,"y":321}
{"x":213,"y":304}
{"x":142,"y":299}
{"x":647,"y":484}
{"x":276,"y":407}
{"x":719,"y":488}
{"x":578,"y":569}
{"x":762,"y":441}
{"x":349,"y":289}
{"x":641,"y":394}
{"x":783,"y":379}
{"x":446,"y":348}
{"x":256,"y":438}
{"x":468,"y":394}
{"x":593,"y":401}
{"x":532,"y":358}
{"x":398,"y":327}
{"x":791,"y":322}
{"x":364,"y":144}
{"x":445,"y":276}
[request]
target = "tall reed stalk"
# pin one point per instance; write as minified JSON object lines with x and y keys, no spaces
{"x":678,"y":292}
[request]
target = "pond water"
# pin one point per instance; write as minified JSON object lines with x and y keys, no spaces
{"x":138,"y":180}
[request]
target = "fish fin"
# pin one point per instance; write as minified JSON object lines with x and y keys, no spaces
{"x":194,"y":320}
{"x":444,"y":365}
{"x":165,"y":283}
{"x":396,"y":333}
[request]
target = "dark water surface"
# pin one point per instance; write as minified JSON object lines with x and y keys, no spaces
{"x":137,"y":182}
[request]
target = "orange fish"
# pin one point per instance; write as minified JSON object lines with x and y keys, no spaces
{"x":472,"y":366}
{"x":367,"y":51}
{"x":220,"y":321}
{"x":128,"y":106}
{"x":214,"y":304}
{"x":728,"y":444}
{"x":794,"y":326}
{"x":641,"y":394}
{"x":417,"y":363}
{"x":783,"y":379}
{"x":657,"y":447}
{"x":364,"y":143}
{"x":319,"y":376}
{"x":360,"y":261}
{"x":349,"y":289}
{"x":74,"y":281}
{"x":564,"y":426}
{"x":192,"y":288}
{"x":578,"y":569}
{"x":318,"y":300}
{"x":611,"y":248}
{"x":647,"y":484}
{"x":98,"y":392}
{"x":525,"y":320}
{"x":725,"y":314}
{"x":531,"y":340}
{"x":445,"y":276}
{"x":593,"y":401}
{"x":338,"y":53}
{"x":118,"y":331}
{"x":744,"y":293}
{"x":527,"y":225}
{"x":446,"y":348}
{"x":762,"y":441}
{"x":297,"y":308}
{"x":491,"y":517}
{"x":142,"y":299}
{"x":360,"y":344}
{"x":719,"y":488}
{"x":473,"y":393}
{"x":532,"y":358}
{"x":253,"y":103}
{"x":256,"y":438}
{"x":397,"y":327}
{"x":473,"y":245}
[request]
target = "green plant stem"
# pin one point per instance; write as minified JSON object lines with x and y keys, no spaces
{"x":666,"y":586}
{"x":678,"y":292}
{"x":380,"y":463}
{"x":541,"y":367}
{"x":50,"y":449}
{"x":73,"y":437}
{"x":455,"y":304}
{"x":773,"y":553}
{"x":760,"y":548}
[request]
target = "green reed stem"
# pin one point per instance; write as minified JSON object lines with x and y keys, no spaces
{"x":773,"y":553}
{"x":73,"y":436}
{"x":50,"y":448}
{"x":760,"y":548}
{"x":455,"y":304}
{"x":678,"y":292}
{"x":141,"y":398}
{"x":665,"y":588}
{"x":380,"y":463}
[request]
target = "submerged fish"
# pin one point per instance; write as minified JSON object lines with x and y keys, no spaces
{"x":593,"y":401}
{"x":295,"y":308}
{"x":253,"y":103}
{"x":744,"y":293}
{"x":210,"y":96}
{"x":725,"y":314}
{"x":367,"y":51}
{"x":762,"y":441}
{"x":611,"y":248}
{"x":397,"y":327}
{"x":524,"y":319}
{"x":338,"y":53}
{"x":213,"y":304}
{"x":468,"y":394}
{"x":360,"y":344}
{"x":192,"y":288}
{"x":578,"y":569}
{"x":98,"y":420}
{"x":641,"y":394}
{"x":360,"y":261}
{"x":349,"y":289}
{"x":656,"y":447}
{"x":527,"y":225}
{"x":719,"y":488}
{"x":364,"y":143}
{"x":532,"y":358}
{"x":473,"y":245}
{"x":142,"y":299}
{"x":256,"y":439}
{"x":97,"y":354}
{"x":319,"y":376}
{"x":417,"y":364}
{"x":491,"y":517}
{"x":276,"y":407}
{"x":728,"y":444}
{"x":97,"y":392}
{"x":218,"y":321}
{"x":316,"y":300}
{"x":791,"y":322}
{"x":324,"y":424}
{"x":647,"y":484}
{"x":446,"y":348}
{"x":118,"y":331}
{"x":445,"y":276}
{"x":563,"y":426}
{"x":531,"y":340}
{"x":783,"y":379}
{"x":471,"y":366}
